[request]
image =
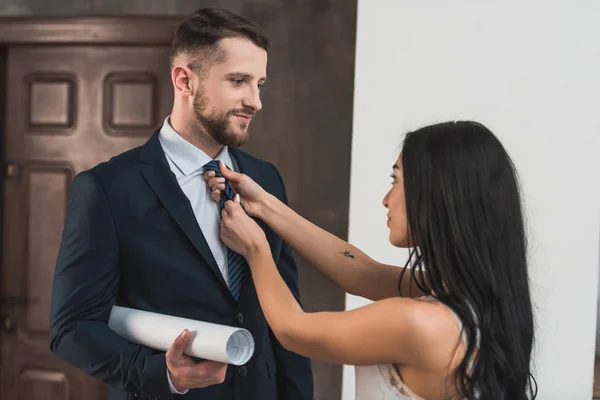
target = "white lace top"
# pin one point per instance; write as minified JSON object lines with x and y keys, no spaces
{"x":382,"y":382}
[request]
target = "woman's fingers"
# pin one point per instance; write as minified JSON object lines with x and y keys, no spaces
{"x":230,"y":175}
{"x":214,"y":182}
{"x":216,"y":195}
{"x":232,"y":207}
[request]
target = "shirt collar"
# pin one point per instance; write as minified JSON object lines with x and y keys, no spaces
{"x":186,"y":157}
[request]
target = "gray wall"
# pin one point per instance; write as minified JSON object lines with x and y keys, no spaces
{"x":307,"y":111}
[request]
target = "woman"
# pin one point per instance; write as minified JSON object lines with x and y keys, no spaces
{"x":459,"y":323}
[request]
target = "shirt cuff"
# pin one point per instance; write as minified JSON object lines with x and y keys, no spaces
{"x":173,"y":390}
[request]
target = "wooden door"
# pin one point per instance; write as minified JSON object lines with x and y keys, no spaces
{"x":67,"y":108}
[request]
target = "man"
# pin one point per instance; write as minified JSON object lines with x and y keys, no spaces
{"x":142,"y":231}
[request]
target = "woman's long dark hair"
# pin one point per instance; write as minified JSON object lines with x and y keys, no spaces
{"x":464,"y":216}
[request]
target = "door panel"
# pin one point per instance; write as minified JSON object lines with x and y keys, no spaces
{"x":68,"y":108}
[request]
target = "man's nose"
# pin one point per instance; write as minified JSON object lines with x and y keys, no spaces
{"x":253,"y":100}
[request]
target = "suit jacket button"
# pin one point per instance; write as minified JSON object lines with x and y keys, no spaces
{"x":239,"y":318}
{"x":243,"y":371}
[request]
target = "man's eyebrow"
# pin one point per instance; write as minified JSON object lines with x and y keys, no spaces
{"x":244,"y":75}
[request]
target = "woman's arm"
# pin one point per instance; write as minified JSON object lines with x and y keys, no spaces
{"x":345,"y":265}
{"x":342,"y":263}
{"x":387,"y":331}
{"x":394,"y":330}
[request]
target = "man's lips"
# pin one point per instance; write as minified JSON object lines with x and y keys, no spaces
{"x":244,"y":117}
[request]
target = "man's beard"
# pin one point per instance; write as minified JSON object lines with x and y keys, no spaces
{"x":218,"y":124}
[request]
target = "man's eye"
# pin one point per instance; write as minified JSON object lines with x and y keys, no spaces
{"x":237,"y":82}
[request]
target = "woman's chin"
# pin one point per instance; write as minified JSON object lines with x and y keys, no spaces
{"x":398,"y":242}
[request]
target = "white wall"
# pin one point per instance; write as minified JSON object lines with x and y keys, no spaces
{"x":531,"y":73}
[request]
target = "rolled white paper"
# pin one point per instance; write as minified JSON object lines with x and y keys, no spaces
{"x":226,"y":344}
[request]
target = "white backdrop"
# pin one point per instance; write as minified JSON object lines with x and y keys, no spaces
{"x":531,"y":73}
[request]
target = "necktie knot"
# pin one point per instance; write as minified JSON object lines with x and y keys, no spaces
{"x":226,"y":194}
{"x":213,"y":165}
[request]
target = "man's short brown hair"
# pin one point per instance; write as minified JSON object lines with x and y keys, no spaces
{"x":197,"y":38}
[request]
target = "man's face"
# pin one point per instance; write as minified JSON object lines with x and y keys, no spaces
{"x":228,"y":95}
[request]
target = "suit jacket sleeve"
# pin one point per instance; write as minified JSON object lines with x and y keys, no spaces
{"x":86,"y":282}
{"x":294,"y":372}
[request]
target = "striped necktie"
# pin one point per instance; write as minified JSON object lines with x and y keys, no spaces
{"x":236,"y":263}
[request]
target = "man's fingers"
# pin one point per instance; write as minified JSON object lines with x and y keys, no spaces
{"x":187,"y":374}
{"x":219,"y":371}
{"x":213,"y":366}
{"x":176,"y":349}
{"x":213,"y":370}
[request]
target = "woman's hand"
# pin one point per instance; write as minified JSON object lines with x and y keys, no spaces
{"x":252,"y":194}
{"x":240,"y":232}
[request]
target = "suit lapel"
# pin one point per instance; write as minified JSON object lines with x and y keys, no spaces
{"x":164,"y":184}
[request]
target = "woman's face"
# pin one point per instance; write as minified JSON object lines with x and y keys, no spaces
{"x":395,"y":202}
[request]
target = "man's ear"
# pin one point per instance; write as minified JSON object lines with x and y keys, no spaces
{"x":182,"y":80}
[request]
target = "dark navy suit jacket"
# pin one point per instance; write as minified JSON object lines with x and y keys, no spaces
{"x":131,"y":239}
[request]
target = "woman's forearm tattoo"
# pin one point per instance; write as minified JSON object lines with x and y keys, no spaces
{"x":347,"y":254}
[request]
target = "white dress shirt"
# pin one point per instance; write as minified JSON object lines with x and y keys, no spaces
{"x":187,"y":163}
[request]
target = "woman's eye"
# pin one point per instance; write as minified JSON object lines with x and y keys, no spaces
{"x":393,"y":178}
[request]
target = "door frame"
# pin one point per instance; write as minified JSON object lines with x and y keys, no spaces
{"x":88,"y":30}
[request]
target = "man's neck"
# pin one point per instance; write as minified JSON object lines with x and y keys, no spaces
{"x":196,"y":135}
